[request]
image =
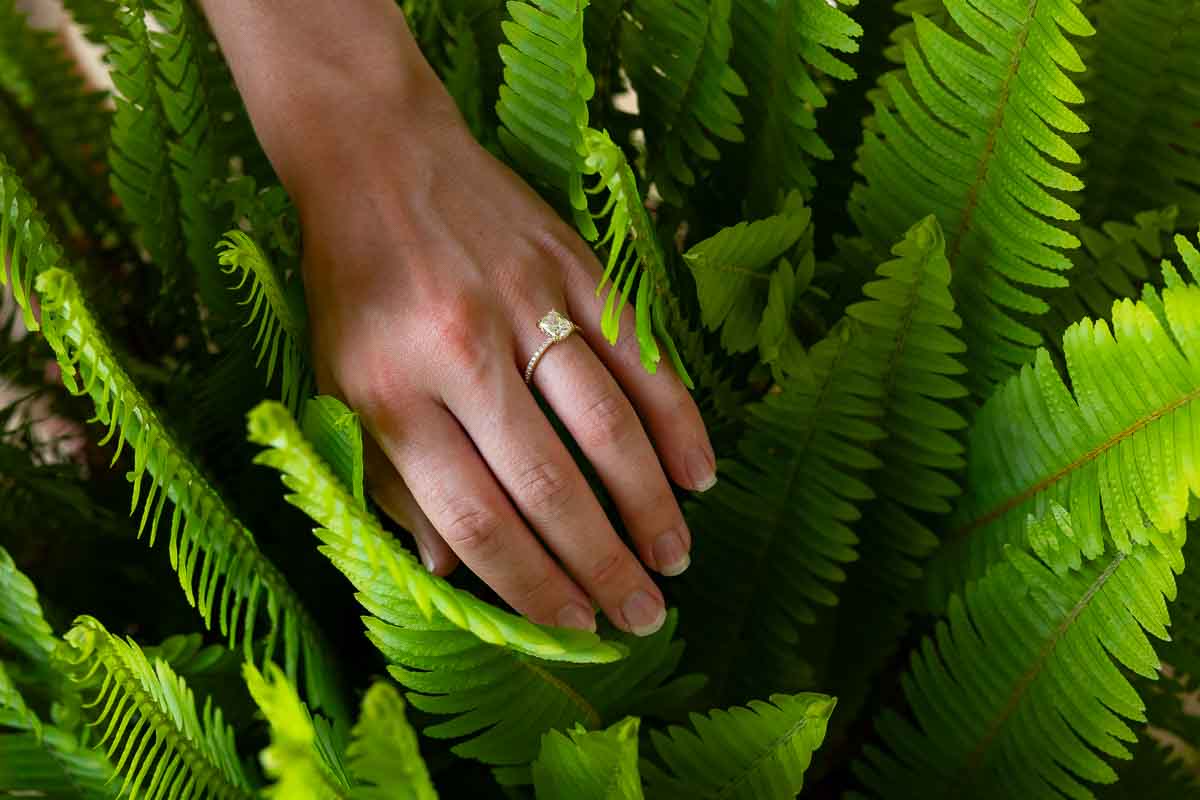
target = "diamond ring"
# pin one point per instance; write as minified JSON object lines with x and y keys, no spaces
{"x":557,"y":328}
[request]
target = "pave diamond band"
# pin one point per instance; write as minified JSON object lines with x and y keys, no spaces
{"x":557,"y":327}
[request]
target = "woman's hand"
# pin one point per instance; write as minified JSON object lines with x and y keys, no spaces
{"x":427,"y":265}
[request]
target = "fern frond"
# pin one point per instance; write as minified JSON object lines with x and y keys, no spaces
{"x":139,"y":149}
{"x":383,"y":754}
{"x":676,"y":53}
{"x":95,"y":19}
{"x":26,"y":242}
{"x":589,"y":765}
{"x":460,"y":656}
{"x":186,"y":82}
{"x":775,"y":530}
{"x":740,"y":272}
{"x":543,"y":100}
{"x":780,"y":49}
{"x":1143,"y":88}
{"x":22,"y":625}
{"x":1108,"y":464}
{"x":293,"y":757}
{"x":633,"y":255}
{"x":279,"y":312}
{"x":908,"y":348}
{"x":463,"y":78}
{"x":1021,"y":688}
{"x":160,"y":742}
{"x":759,"y":752}
{"x":977,"y":139}
{"x":219,"y":564}
{"x":1113,"y":263}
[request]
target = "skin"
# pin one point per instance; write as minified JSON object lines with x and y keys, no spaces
{"x":427,"y":264}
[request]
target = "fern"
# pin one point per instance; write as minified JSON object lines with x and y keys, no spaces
{"x":743,"y":282}
{"x":1097,"y":463}
{"x":1142,"y":93}
{"x":279,"y":311}
{"x":543,"y":100}
{"x":633,"y":256}
{"x":1112,"y":263}
{"x":25,"y":240}
{"x":1019,"y":690}
{"x":383,"y":754}
{"x":161,"y":743}
{"x":760,"y":752}
{"x":779,"y":48}
{"x":187,"y":81}
{"x":219,"y":564}
{"x":974,"y":139}
{"x":595,"y":765}
{"x":459,"y":655}
{"x":775,"y":530}
{"x":139,"y":150}
{"x":908,"y":349}
{"x":676,"y":53}
{"x":46,"y":761}
{"x":22,"y":625}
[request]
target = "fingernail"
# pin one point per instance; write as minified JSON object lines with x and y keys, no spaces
{"x":643,"y":614}
{"x":702,"y":472}
{"x":670,"y":554}
{"x":576,"y":616}
{"x":426,"y":558}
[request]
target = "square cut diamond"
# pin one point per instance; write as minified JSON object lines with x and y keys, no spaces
{"x":556,"y":326}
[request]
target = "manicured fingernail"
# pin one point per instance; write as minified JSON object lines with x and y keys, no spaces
{"x":670,"y":554}
{"x":643,"y":614}
{"x":702,"y":472}
{"x":426,"y":558}
{"x":576,"y":616}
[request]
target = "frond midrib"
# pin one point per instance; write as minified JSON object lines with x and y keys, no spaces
{"x":567,"y":690}
{"x":727,"y":789}
{"x":989,"y":148}
{"x":976,"y":756}
{"x":1002,"y":508}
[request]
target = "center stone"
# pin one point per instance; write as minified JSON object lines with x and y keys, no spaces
{"x":556,"y":326}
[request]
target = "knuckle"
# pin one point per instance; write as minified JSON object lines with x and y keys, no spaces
{"x":472,"y":529}
{"x":608,"y":420}
{"x":546,"y":489}
{"x":608,"y":569}
{"x":457,"y":327}
{"x":534,"y":592}
{"x":379,"y":384}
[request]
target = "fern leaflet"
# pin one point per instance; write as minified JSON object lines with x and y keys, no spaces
{"x":589,"y":765}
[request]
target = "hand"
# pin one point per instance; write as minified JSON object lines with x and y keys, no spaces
{"x":427,"y":266}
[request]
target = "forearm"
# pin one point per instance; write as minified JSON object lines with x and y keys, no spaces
{"x":303,"y":66}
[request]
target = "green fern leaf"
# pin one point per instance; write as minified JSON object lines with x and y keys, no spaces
{"x":633,"y":256}
{"x":463,"y":76}
{"x":908,"y":349}
{"x":1106,"y":465}
{"x":95,"y":18}
{"x":293,"y":759}
{"x":22,"y":625}
{"x":543,"y":101}
{"x":1113,"y":262}
{"x":383,"y":754}
{"x":775,"y":531}
{"x":595,"y":765}
{"x":1144,"y":149}
{"x":1021,"y":688}
{"x":460,"y":656}
{"x":278,"y":309}
{"x":220,"y":566}
{"x":159,"y":740}
{"x":139,"y":150}
{"x":736,"y":270}
{"x":759,"y":752}
{"x":51,"y":763}
{"x":25,"y":241}
{"x":676,"y":53}
{"x":186,"y":82}
{"x":976,"y":138}
{"x":779,"y":48}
